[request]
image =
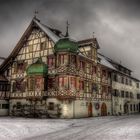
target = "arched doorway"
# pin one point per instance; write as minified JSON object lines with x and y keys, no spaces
{"x":103,"y":110}
{"x":90,"y":110}
{"x":125,"y":108}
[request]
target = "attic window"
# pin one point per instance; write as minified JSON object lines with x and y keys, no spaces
{"x":42,"y":46}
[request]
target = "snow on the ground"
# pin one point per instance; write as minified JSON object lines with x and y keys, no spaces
{"x":97,"y":128}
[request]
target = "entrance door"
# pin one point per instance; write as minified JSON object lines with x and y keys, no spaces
{"x":90,"y":110}
{"x":103,"y":110}
{"x":125,"y":108}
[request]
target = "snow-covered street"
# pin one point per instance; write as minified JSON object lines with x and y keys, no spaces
{"x":97,"y":128}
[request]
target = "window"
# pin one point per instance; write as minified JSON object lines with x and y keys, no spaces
{"x":72,"y":83}
{"x":94,"y":70}
{"x":137,"y":85}
{"x":31,"y":84}
{"x":126,"y":94}
{"x":126,"y":81}
{"x":51,"y":62}
{"x":82,"y":65}
{"x":42,"y":46}
{"x":122,"y":94}
{"x":73,"y":59}
{"x":18,"y":105}
{"x":131,"y":95}
{"x":137,"y":107}
{"x":122,"y":80}
{"x":88,"y":68}
{"x":63,"y":82}
{"x":104,"y":73}
{"x":81,"y":85}
{"x":138,"y":96}
{"x":39,"y":84}
{"x":116,"y":92}
{"x":51,"y":106}
{"x":115,"y":77}
{"x":130,"y":82}
{"x":134,"y":107}
{"x":131,"y":107}
{"x":87,"y":87}
{"x":5,"y":106}
{"x":63,"y":59}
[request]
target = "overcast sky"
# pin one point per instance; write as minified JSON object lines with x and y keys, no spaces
{"x":116,"y":24}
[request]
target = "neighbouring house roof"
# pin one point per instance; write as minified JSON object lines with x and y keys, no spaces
{"x":104,"y":62}
{"x":51,"y":33}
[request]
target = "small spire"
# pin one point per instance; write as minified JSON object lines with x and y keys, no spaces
{"x":67,"y":29}
{"x":35,"y":13}
{"x":93,"y":35}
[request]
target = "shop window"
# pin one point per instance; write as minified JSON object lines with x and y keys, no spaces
{"x":5,"y":106}
{"x":18,"y":105}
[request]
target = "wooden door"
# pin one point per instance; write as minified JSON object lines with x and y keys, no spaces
{"x":103,"y":110}
{"x":90,"y":110}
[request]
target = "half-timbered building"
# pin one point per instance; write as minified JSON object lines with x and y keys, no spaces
{"x":52,"y":75}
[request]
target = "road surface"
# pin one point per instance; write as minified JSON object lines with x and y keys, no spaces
{"x":96,"y":128}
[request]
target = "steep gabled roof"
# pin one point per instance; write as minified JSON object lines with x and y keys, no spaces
{"x":88,"y":41}
{"x":47,"y":30}
{"x":35,"y":22}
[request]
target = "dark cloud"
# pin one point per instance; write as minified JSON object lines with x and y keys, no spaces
{"x":115,"y":23}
